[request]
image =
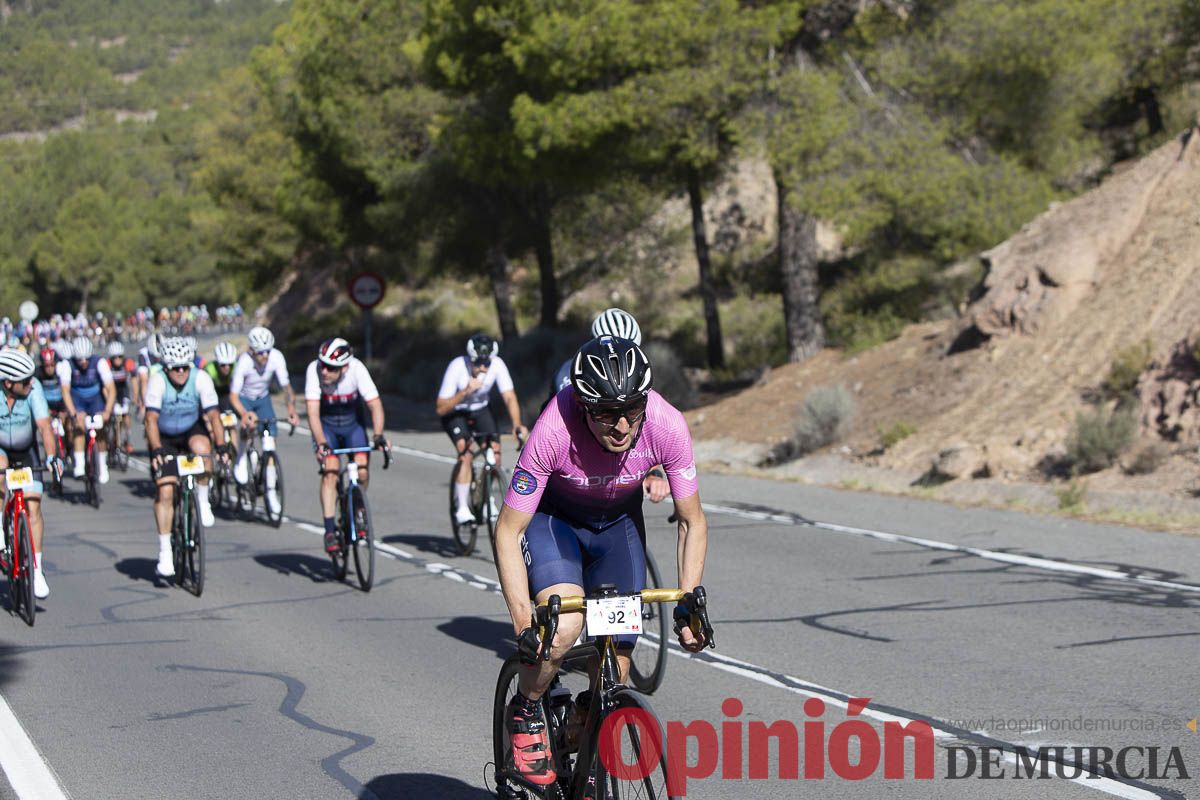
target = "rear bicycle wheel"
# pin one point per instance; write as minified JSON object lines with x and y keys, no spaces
{"x":364,"y":545}
{"x":649,"y":661}
{"x":638,"y":744}
{"x":220,"y":494}
{"x":464,"y":534}
{"x":22,"y":571}
{"x":271,"y":463}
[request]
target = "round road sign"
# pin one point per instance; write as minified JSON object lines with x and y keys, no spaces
{"x":28,"y":311}
{"x":366,"y":289}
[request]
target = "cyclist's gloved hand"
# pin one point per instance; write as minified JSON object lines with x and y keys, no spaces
{"x":381,"y":443}
{"x":528,"y":646}
{"x":157,"y":456}
{"x":323,"y":452}
{"x":54,"y":463}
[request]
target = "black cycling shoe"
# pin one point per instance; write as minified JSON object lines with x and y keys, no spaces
{"x":332,"y":543}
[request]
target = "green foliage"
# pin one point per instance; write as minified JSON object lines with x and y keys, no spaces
{"x":1126,"y":368}
{"x":895,"y":433}
{"x":822,"y":419}
{"x":1071,"y":497}
{"x":1098,"y":439}
{"x":870,"y":307}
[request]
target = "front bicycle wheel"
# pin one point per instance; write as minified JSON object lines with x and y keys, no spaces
{"x":194,"y":548}
{"x":273,"y":503}
{"x":649,"y":661}
{"x":364,"y":545}
{"x":493,"y":498}
{"x":92,"y":474}
{"x":22,"y":571}
{"x":339,"y":557}
{"x":638,"y":746}
{"x":118,"y":449}
{"x":178,"y":533}
{"x":248,"y":491}
{"x":464,"y":534}
{"x":220,"y":493}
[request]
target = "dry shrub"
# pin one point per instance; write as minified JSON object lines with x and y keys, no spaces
{"x":1099,"y":437}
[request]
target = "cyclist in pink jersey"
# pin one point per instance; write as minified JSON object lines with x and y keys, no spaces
{"x":572,"y":518}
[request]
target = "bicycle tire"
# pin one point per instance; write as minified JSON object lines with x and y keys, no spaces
{"x":646,"y":673}
{"x":118,"y":456}
{"x":219,"y":496}
{"x":464,"y":535}
{"x":251,"y":486}
{"x":339,"y":557}
{"x":56,"y":486}
{"x":632,"y":750}
{"x":9,"y":570}
{"x":364,"y":563}
{"x":177,"y":533}
{"x":22,"y":571}
{"x":91,"y":474}
{"x":194,"y":549}
{"x":276,"y":519}
{"x":494,"y":487}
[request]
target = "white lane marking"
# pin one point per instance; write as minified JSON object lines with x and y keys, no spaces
{"x":992,"y":555}
{"x":304,"y":526}
{"x":27,"y":772}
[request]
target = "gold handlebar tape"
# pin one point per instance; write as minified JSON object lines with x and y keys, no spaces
{"x":576,"y":603}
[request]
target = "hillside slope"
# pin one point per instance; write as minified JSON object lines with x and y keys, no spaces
{"x":1062,"y":297}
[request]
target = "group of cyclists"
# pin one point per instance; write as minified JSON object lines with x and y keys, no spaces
{"x":571,"y":519}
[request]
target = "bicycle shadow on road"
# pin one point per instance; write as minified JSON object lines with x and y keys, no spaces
{"x":139,"y":569}
{"x":437,"y":545}
{"x":317,"y":570}
{"x":141,"y":487}
{"x":490,"y":634}
{"x":408,"y":785}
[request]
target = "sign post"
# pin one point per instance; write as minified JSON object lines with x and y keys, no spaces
{"x":366,"y":290}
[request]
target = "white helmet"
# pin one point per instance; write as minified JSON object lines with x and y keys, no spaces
{"x":176,"y":352}
{"x":115,"y":349}
{"x":15,"y":365}
{"x":81,"y":347}
{"x":619,"y":323}
{"x":260,"y":339}
{"x":224,"y":353}
{"x":63,"y":348}
{"x":154,"y":345}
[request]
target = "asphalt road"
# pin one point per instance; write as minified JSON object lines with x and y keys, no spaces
{"x":280,"y":682}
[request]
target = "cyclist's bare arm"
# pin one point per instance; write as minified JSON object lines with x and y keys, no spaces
{"x":47,"y":432}
{"x":446,"y":404}
{"x":109,"y":389}
{"x":213,"y":415}
{"x":293,"y":417}
{"x":510,"y":565}
{"x":376,"y":408}
{"x":693,"y":546}
{"x":153,"y":437}
{"x":236,"y":402}
{"x":514,"y":413}
{"x":67,"y":400}
{"x":314,"y":422}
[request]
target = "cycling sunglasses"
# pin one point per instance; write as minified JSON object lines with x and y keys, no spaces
{"x":611,"y":417}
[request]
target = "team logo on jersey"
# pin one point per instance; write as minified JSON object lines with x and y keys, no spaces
{"x":689,"y":473}
{"x":523,"y":482}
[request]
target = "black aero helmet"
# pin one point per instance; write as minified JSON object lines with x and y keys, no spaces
{"x":481,"y":348}
{"x":609,"y":371}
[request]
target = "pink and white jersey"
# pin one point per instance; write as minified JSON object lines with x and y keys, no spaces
{"x":563,"y":460}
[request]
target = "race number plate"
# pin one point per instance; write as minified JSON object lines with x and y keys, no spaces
{"x":228,"y":419}
{"x":190,"y":465}
{"x":614,"y":615}
{"x":19,"y":478}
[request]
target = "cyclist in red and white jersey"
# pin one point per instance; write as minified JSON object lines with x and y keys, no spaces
{"x":339,"y":393}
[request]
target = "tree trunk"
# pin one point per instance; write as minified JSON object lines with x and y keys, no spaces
{"x":798,"y":268}
{"x":712,"y":314}
{"x":497,"y":264}
{"x":544,"y":247}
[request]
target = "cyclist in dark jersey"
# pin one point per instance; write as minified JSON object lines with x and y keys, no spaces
{"x":220,"y":369}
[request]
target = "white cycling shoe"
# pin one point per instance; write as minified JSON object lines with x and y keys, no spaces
{"x":206,"y":516}
{"x":273,"y":501}
{"x":166,"y":564}
{"x":79,"y":468}
{"x":240,"y":472}
{"x":41,"y":589}
{"x":463,"y":516}
{"x":103,"y":471}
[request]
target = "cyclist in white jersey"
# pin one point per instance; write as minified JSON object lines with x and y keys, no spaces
{"x":250,"y":390}
{"x":337,"y":386}
{"x":176,"y":398}
{"x":462,"y":405}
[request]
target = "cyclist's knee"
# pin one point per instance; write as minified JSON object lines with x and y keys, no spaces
{"x":569,"y":628}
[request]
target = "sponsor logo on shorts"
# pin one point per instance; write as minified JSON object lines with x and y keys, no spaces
{"x":523,"y":483}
